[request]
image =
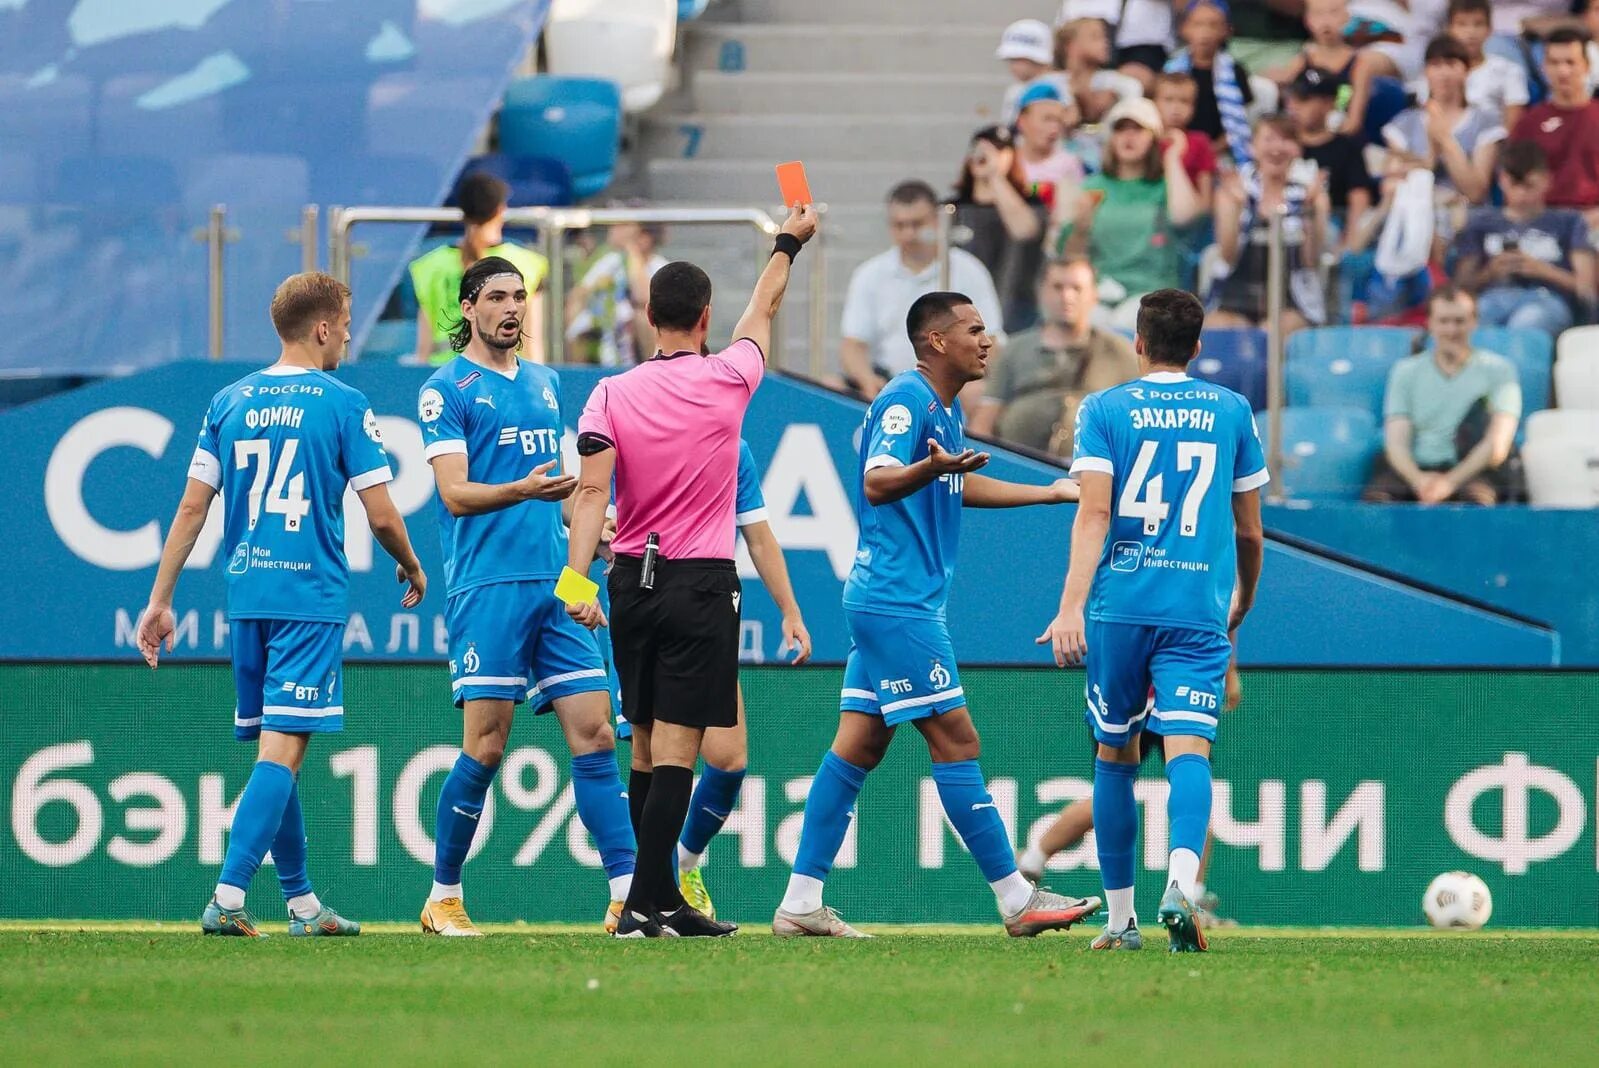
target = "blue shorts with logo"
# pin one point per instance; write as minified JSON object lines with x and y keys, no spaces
{"x":1186,"y":667}
{"x":514,"y":641}
{"x":286,"y":674}
{"x":900,"y":668}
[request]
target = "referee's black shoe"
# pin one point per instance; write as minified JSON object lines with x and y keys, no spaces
{"x":636,"y":925}
{"x":690,"y":922}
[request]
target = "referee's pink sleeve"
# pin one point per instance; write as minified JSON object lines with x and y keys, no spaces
{"x":595,"y":418}
{"x":746,"y":358}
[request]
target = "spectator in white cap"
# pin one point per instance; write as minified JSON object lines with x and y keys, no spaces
{"x":1125,"y":220}
{"x":1028,"y":49}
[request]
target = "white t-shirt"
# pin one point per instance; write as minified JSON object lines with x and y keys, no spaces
{"x":1137,"y":22}
{"x":1497,"y":84}
{"x":1508,"y":14}
{"x":612,"y":308}
{"x":882,"y":290}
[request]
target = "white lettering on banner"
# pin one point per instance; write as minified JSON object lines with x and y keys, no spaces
{"x":434,"y":760}
{"x":168,"y":818}
{"x":579,"y":842}
{"x":544,"y":830}
{"x":1516,"y":847}
{"x":803,"y":464}
{"x":216,"y":817}
{"x":412,"y":626}
{"x":75,"y":525}
{"x":410,"y":490}
{"x":355,"y":633}
{"x":187,"y":633}
{"x":30,"y":793}
{"x":747,"y":823}
{"x":441,"y":637}
{"x":125,"y":629}
{"x":360,"y":766}
{"x":931,"y":820}
{"x":751,"y":641}
{"x":1321,"y":839}
{"x":544,"y":791}
{"x":788,"y":829}
{"x":1266,"y":833}
{"x":219,"y":629}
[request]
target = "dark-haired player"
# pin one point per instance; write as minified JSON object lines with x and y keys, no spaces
{"x":916,"y":475}
{"x":491,"y":427}
{"x":1171,"y":470}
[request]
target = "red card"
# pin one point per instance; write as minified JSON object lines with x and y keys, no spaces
{"x":791,"y":182}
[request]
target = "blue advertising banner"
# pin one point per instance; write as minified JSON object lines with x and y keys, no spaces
{"x":94,"y":476}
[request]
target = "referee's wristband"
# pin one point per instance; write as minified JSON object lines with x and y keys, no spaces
{"x":788,"y":245}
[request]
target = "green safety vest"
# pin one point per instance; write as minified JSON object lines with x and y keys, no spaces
{"x":436,"y":277}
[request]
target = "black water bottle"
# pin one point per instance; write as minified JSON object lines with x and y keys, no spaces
{"x":652,"y":551}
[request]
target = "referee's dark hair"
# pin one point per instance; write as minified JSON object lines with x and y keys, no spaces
{"x":931,"y":311}
{"x":679,"y":294}
{"x":1169,"y":322}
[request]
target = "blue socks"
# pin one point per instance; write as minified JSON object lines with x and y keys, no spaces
{"x":1188,"y":812}
{"x":1115,"y":823}
{"x":602,"y":806}
{"x":827,"y":815}
{"x":971,"y":810}
{"x":288,"y":848}
{"x":255,"y":822}
{"x":713,"y":799}
{"x":460,"y":805}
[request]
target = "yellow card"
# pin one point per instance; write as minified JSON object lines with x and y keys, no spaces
{"x":573,"y":588}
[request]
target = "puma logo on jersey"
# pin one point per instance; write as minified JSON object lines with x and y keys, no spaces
{"x":484,"y":400}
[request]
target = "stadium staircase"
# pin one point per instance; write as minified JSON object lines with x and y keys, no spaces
{"x":865,"y":92}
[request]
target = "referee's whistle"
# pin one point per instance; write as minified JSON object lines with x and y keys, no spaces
{"x":652,"y":551}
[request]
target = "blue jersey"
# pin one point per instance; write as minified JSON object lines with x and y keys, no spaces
{"x":281,"y":445}
{"x":749,"y":505}
{"x":1177,"y":450}
{"x":905,"y":560}
{"x":505,"y":427}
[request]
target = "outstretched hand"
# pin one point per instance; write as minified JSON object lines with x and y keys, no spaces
{"x":954,"y":463}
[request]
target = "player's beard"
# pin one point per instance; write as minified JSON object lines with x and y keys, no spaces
{"x":494,"y":339}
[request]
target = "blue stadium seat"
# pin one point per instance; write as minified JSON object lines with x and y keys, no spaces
{"x":577,"y":121}
{"x":534,"y":180}
{"x":1235,"y":359}
{"x":1344,"y":365}
{"x":389,"y":339}
{"x":691,"y":9}
{"x":1533,"y":353}
{"x":1327,"y":452}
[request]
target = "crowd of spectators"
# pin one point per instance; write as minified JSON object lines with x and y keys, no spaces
{"x":1433,"y":161}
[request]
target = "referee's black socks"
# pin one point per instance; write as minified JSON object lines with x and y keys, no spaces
{"x":660,"y":824}
{"x":638,"y":791}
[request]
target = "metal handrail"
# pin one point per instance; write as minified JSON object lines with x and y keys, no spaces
{"x":1276,"y":284}
{"x":553,"y":222}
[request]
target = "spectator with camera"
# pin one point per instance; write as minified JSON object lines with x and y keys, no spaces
{"x":999,"y":220}
{"x":1125,"y":221}
{"x":1530,"y":265}
{"x":1449,"y":415}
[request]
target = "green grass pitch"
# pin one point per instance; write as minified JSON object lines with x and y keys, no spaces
{"x":555,"y":996}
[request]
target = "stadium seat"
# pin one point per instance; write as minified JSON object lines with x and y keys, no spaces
{"x":1563,"y":472}
{"x":389,"y":339}
{"x":534,"y":180}
{"x":627,"y":41}
{"x":1327,"y":452}
{"x":577,"y":121}
{"x":1577,"y":370}
{"x":1553,"y":424}
{"x":1344,"y":365}
{"x":1235,"y":359}
{"x":1532,"y":351}
{"x":688,"y":10}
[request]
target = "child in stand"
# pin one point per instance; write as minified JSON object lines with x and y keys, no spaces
{"x":1493,"y":83}
{"x":1223,"y":95}
{"x":1082,"y":50}
{"x":1349,"y":69}
{"x":1027,"y":47}
{"x":1175,"y":96}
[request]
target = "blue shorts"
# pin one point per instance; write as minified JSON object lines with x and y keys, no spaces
{"x":899,"y":668}
{"x":286,"y":673}
{"x":513,"y":641}
{"x":1187,"y":668}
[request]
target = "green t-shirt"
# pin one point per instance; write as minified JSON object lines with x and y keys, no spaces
{"x":1132,"y":242}
{"x":437,"y":280}
{"x":1436,"y":404}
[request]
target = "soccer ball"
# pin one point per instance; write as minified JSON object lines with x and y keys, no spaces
{"x":1457,"y":900}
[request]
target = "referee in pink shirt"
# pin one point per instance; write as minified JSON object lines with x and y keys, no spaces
{"x":668,"y":431}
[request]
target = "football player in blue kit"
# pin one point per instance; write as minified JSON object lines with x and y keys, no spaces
{"x":281,"y":445}
{"x":916,"y":475}
{"x":491,"y":428}
{"x":1166,"y":557}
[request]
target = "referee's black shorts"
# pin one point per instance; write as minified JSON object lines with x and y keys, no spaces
{"x":676,"y":646}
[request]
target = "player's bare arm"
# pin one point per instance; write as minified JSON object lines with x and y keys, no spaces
{"x":1066,"y":633}
{"x":158,"y":624}
{"x":767,"y":555}
{"x":465,"y":497}
{"x":388,"y":527}
{"x":984,"y":492}
{"x":885,"y":485}
{"x":756,"y":322}
{"x":1250,"y":538}
{"x":588,"y":525}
